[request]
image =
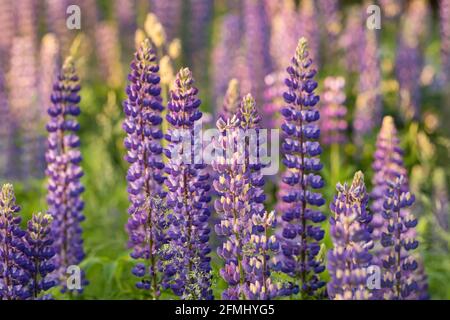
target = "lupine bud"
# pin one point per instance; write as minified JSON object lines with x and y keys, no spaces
{"x":12,"y":277}
{"x":39,"y":250}
{"x":64,"y":172}
{"x":333,"y":125}
{"x":142,"y":125}
{"x":368,"y":105}
{"x":351,"y":234}
{"x":300,"y":236}
{"x":398,"y":264}
{"x":188,"y":187}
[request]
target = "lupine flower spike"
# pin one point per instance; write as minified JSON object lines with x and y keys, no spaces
{"x":350,"y":230}
{"x":244,"y":224}
{"x":300,"y":236}
{"x":64,"y":172}
{"x":231,"y":100}
{"x":145,"y":175}
{"x":398,"y":264}
{"x":13,"y":279}
{"x":188,"y":187}
{"x":39,"y":250}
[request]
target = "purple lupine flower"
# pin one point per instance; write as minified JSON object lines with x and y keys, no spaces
{"x":226,"y":55}
{"x":300,"y":236}
{"x":350,"y":39}
{"x":39,"y":252}
{"x":12,"y":277}
{"x":244,"y":224}
{"x":351,"y":235}
{"x":145,"y":175}
{"x":64,"y":171}
{"x":332,"y":123}
{"x":444,"y":11}
{"x":22,"y":77}
{"x":329,"y":11}
{"x":257,"y":44}
{"x":108,"y":53}
{"x":387,"y":165}
{"x":56,"y":23}
{"x":169,"y":13}
{"x":285,"y":34}
{"x":231,"y":101}
{"x":188,"y":188}
{"x":368,"y":105}
{"x":7,"y":25}
{"x":90,"y":14}
{"x":397,"y":262}
{"x":309,"y":27}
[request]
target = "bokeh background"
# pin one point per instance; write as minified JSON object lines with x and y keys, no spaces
{"x":251,"y":40}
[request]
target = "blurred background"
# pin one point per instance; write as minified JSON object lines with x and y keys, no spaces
{"x":402,"y":70}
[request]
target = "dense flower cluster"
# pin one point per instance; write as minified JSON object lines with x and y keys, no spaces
{"x":244,"y":224}
{"x":13,"y":279}
{"x":333,"y":125}
{"x":387,"y":165}
{"x":145,"y":175}
{"x":350,"y":40}
{"x":39,"y":251}
{"x":64,"y":171}
{"x":188,"y":189}
{"x":300,"y":236}
{"x":351,"y":234}
{"x":398,"y":263}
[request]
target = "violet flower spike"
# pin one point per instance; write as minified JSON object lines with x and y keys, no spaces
{"x":351,"y":234}
{"x":300,"y":237}
{"x":64,"y":172}
{"x":13,"y":279}
{"x":39,"y":250}
{"x":142,"y":125}
{"x":187,"y":256}
{"x":398,"y":264}
{"x":444,"y":13}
